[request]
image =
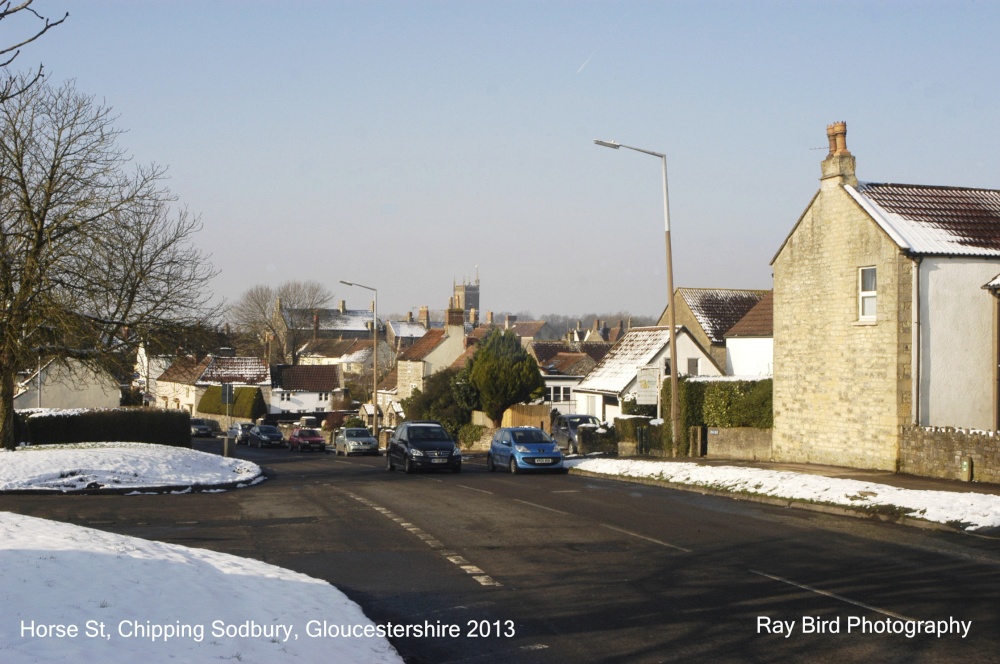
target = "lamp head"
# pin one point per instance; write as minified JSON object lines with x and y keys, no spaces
{"x":607,"y":144}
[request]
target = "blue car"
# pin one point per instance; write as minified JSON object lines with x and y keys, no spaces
{"x":524,"y":448}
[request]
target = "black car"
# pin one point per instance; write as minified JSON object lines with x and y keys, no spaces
{"x":265,"y":435}
{"x":200,"y":428}
{"x":423,"y":445}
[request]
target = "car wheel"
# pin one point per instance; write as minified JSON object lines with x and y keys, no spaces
{"x":513,"y":466}
{"x":408,"y":466}
{"x":388,"y":463}
{"x":490,"y":466}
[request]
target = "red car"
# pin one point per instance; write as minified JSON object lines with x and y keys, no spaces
{"x":306,"y":439}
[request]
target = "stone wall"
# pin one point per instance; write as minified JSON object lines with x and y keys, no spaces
{"x":842,"y":386}
{"x":938,"y":452}
{"x":739,"y":443}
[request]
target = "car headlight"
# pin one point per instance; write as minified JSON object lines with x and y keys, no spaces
{"x":522,"y":449}
{"x":415,"y":452}
{"x":456,"y":452}
{"x":555,"y":449}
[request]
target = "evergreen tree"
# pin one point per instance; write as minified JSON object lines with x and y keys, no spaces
{"x":503,"y":374}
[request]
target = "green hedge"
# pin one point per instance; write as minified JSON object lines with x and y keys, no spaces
{"x":592,"y":440}
{"x":717,"y":403}
{"x":139,"y":425}
{"x":469,"y":434}
{"x":248,"y":403}
{"x":627,"y":428}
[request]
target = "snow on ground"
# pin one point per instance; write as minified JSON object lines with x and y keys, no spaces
{"x":970,"y":511}
{"x":117,"y":465}
{"x":70,"y":592}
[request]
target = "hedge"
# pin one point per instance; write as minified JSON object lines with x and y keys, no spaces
{"x":131,"y":425}
{"x":248,"y":403}
{"x":717,"y":403}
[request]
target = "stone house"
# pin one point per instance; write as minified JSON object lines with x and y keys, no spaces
{"x":707,"y":314}
{"x":883,"y":316}
{"x":184,"y":382}
{"x":436,"y":350}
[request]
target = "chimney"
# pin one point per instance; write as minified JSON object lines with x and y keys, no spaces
{"x":409,"y":316}
{"x":489,"y":318}
{"x":455,"y":318}
{"x":425,"y":317}
{"x":838,"y":167}
{"x":343,"y":306}
{"x":508,"y":321}
{"x":473,"y":316}
{"x":315,"y":325}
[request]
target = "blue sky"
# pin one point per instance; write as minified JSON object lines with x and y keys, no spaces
{"x":402,"y":144}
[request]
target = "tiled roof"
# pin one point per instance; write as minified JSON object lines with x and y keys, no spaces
{"x":544,"y":351}
{"x":934,"y":220}
{"x":568,"y":364}
{"x":306,"y":378}
{"x":423,"y":346}
{"x":758,"y":322}
{"x":718,"y":309}
{"x":333,"y":347}
{"x":389,"y":382}
{"x":185,"y":370}
{"x":637,"y":348}
{"x":464,"y":358}
{"x":527,"y":328}
{"x":242,"y":370}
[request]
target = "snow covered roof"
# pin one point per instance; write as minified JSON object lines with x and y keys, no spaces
{"x":406,"y":329}
{"x":932,"y":220}
{"x":718,"y":309}
{"x":638,"y":348}
{"x":242,"y":370}
{"x":329,"y":320}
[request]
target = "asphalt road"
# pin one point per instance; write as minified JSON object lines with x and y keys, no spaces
{"x":561,"y":568}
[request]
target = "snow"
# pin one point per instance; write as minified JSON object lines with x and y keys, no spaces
{"x":968,"y":510}
{"x":70,"y":592}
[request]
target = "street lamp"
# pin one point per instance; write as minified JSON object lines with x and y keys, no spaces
{"x":675,"y":421}
{"x":374,"y":355}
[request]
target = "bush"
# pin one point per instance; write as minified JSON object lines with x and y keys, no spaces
{"x":593,"y":440}
{"x":722,"y":403}
{"x":140,"y":425}
{"x":355,"y":423}
{"x":627,"y":428}
{"x":470,"y":434}
{"x":248,"y":403}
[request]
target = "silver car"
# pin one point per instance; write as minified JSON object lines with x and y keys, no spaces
{"x":355,"y":440}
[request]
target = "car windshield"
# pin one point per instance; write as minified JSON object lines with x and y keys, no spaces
{"x":574,"y":422}
{"x":267,"y":429}
{"x":428,"y":432}
{"x":358,"y":433}
{"x":197,"y":422}
{"x":308,"y":432}
{"x":529,"y":436}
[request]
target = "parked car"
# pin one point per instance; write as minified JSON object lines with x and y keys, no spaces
{"x":524,"y":448}
{"x":306,"y":439}
{"x":355,"y":440}
{"x":200,"y":428}
{"x":239,"y":431}
{"x":564,"y":430}
{"x":265,"y":435}
{"x":422,"y":445}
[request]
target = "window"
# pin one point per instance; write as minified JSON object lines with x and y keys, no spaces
{"x":867,"y":287}
{"x":693,"y":366}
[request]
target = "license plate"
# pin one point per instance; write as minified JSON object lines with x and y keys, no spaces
{"x":543,"y":460}
{"x":439,"y":461}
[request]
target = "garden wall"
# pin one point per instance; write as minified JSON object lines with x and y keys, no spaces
{"x":939,"y":452}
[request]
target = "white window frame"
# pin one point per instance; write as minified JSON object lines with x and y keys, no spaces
{"x":865,"y":296}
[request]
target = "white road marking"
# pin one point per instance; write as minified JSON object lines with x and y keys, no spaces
{"x":434,"y":543}
{"x":827,"y":593}
{"x":648,"y":539}
{"x":541,"y":507}
{"x":470,"y":488}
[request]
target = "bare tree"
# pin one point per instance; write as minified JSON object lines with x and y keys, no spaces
{"x":280,"y":318}
{"x":90,"y":251}
{"x":12,"y":86}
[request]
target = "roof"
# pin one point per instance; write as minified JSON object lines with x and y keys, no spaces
{"x":329,"y":320}
{"x":406,"y":328}
{"x":306,"y":378}
{"x":545,"y":351}
{"x":242,"y":370}
{"x":758,"y":322}
{"x":921,"y":219}
{"x":718,"y":309}
{"x":462,"y":360}
{"x":389,"y":382}
{"x":568,"y":364}
{"x":422,"y":347}
{"x":618,"y":369}
{"x":186,"y":370}
{"x":527,"y":328}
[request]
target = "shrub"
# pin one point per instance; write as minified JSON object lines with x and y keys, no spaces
{"x":248,"y":403}
{"x":592,"y":439}
{"x":627,"y":428}
{"x":470,"y":434}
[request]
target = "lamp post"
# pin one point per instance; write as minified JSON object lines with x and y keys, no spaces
{"x":675,"y":423}
{"x":374,"y":355}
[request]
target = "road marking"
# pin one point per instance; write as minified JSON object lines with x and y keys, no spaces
{"x":454,"y":558}
{"x":648,"y":539}
{"x":470,"y":488}
{"x":827,"y":593}
{"x":567,"y":491}
{"x":541,"y":507}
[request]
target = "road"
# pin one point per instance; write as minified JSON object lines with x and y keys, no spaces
{"x":562,"y":568}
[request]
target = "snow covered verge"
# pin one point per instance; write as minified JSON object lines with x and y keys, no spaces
{"x":965,"y":510}
{"x":72,"y":593}
{"x":119,"y":466}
